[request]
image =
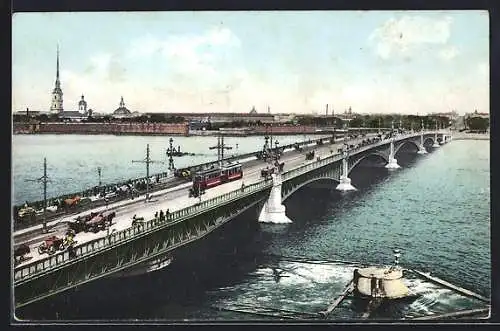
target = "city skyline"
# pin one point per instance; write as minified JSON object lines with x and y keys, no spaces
{"x":296,"y":62}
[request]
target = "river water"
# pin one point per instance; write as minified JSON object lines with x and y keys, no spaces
{"x":72,"y":160}
{"x":436,"y":209}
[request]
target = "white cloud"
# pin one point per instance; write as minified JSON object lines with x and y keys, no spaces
{"x":448,"y":53}
{"x":187,"y":53}
{"x":409,"y":33}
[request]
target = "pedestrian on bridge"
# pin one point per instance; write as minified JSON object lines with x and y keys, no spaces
{"x":162,"y":218}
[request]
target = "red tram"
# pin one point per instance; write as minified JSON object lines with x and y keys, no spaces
{"x":214,"y":176}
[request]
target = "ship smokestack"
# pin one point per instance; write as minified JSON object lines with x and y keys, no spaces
{"x":326,"y":109}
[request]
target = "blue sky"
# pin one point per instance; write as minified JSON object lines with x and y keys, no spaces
{"x":293,"y":61}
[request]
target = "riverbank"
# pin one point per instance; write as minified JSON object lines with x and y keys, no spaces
{"x":470,"y":136}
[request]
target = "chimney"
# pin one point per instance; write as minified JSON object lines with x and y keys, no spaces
{"x":326,"y":109}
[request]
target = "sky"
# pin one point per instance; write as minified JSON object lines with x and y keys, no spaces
{"x":412,"y":62}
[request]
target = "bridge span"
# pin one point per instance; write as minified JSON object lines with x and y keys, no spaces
{"x":151,"y":244}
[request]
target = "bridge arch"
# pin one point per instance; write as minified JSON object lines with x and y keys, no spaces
{"x":379,"y":154}
{"x":429,"y":138}
{"x":405,"y":142}
{"x":296,"y":188}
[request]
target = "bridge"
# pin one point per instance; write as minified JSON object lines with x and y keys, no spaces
{"x":127,"y":248}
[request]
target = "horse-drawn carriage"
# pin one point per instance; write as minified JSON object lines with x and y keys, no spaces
{"x":196,"y":191}
{"x":71,"y":202}
{"x":20,"y":252}
{"x":183,"y":173}
{"x":267,"y":172}
{"x":310,"y":155}
{"x":92,"y":222}
{"x":279,"y":165}
{"x":99,"y":222}
{"x":26,"y":214}
{"x":137,"y":220}
{"x":51,"y":244}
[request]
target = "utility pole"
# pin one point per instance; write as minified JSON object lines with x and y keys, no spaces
{"x":147,"y":160}
{"x":347,"y":130}
{"x":220,"y":148}
{"x":99,"y":173}
{"x":44,"y":179}
{"x":271,"y":143}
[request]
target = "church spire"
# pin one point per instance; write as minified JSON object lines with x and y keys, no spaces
{"x":57,"y":94}
{"x":58,"y":83}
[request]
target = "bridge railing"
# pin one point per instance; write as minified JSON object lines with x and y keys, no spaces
{"x":287,"y":175}
{"x":98,"y":245}
{"x":325,"y":161}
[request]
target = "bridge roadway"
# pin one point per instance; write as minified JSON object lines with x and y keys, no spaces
{"x":173,"y":199}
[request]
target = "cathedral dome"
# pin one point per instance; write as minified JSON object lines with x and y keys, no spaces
{"x":122,"y":110}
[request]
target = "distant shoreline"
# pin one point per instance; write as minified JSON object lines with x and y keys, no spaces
{"x":470,"y":136}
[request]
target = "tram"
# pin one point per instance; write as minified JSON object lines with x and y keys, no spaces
{"x":214,"y":176}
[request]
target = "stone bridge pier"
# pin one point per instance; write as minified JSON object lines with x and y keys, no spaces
{"x":345,"y":181}
{"x":273,"y":210}
{"x":421,"y":147}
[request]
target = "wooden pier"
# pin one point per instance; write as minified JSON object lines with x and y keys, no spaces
{"x":349,"y":288}
{"x":461,"y":313}
{"x":451,"y":286}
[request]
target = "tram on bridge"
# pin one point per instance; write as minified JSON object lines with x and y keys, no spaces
{"x":214,"y":176}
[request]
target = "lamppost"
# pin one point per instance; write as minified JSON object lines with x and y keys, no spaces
{"x":170,"y":154}
{"x":276,"y":153}
{"x":44,"y":179}
{"x":199,"y":190}
{"x":436,"y":144}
